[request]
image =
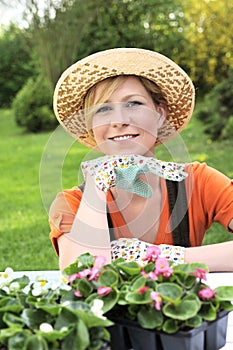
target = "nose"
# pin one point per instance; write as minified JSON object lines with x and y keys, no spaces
{"x":119,"y":118}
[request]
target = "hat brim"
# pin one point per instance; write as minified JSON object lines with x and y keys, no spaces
{"x":74,"y":83}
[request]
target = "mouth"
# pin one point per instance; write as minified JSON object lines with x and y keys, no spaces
{"x":123,"y":137}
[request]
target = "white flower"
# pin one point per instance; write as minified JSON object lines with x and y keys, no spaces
{"x":14,"y":286}
{"x":6,"y":277}
{"x":97,"y":308}
{"x":46,"y":327}
{"x":40,"y":288}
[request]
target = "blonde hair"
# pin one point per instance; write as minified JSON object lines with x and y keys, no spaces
{"x":111,"y":84}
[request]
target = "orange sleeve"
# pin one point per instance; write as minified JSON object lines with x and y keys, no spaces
{"x":211,"y":201}
{"x":62,"y":213}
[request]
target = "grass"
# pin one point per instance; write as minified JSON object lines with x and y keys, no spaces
{"x":34,"y":167}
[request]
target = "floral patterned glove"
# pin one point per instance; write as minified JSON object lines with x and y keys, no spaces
{"x":132,"y":249}
{"x":123,"y":171}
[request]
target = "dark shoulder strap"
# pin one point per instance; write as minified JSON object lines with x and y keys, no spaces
{"x":110,"y":224}
{"x":178,"y":212}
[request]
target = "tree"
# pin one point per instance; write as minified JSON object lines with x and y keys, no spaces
{"x":209,"y":31}
{"x":15,"y":64}
{"x":57,"y":33}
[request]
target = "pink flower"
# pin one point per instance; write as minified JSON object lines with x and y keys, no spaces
{"x":155,"y":296}
{"x":99,"y":261}
{"x":72,"y":277}
{"x":206,"y":294}
{"x":151,"y":275}
{"x":152,"y":253}
{"x":84,"y":273}
{"x":142,"y":290}
{"x":102,"y":291}
{"x":162,"y":267}
{"x":77,"y":293}
{"x":200,"y":273}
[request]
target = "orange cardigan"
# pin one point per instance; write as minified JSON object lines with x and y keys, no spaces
{"x":209,"y":195}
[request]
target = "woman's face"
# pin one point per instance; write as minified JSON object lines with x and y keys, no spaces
{"x":128,"y":122}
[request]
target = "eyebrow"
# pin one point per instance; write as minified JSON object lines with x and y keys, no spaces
{"x":125,"y":98}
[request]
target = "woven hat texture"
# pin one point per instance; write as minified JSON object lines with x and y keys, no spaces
{"x":74,"y":83}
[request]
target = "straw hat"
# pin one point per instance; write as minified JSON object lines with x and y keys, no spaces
{"x":74,"y":83}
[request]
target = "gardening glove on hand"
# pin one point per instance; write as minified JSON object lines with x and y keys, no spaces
{"x":133,"y":249}
{"x":123,"y":171}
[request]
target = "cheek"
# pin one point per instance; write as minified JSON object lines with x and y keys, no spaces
{"x":98,"y":133}
{"x":150,"y":126}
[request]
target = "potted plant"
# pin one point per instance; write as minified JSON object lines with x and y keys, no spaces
{"x":34,"y":316}
{"x":155,"y":305}
{"x":151,"y":306}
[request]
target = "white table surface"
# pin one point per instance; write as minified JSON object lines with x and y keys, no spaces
{"x":213,"y":280}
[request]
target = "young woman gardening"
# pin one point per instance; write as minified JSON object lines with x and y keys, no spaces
{"x":123,"y":103}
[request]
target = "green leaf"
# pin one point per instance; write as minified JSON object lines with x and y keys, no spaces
{"x":224,"y":293}
{"x":226,"y":305}
{"x":190,"y":267}
{"x":118,"y":261}
{"x":170,"y":326}
{"x":149,"y":267}
{"x":131,"y":268}
{"x":10,"y":304}
{"x":138,"y":283}
{"x":75,"y":305}
{"x":194,"y":322}
{"x":71,"y":269}
{"x":52,"y":309}
{"x":55,"y":335}
{"x":136,"y":298}
{"x":11,"y":320}
{"x":66,"y":318}
{"x":36,"y":342}
{"x":78,"y":339}
{"x":17,"y":341}
{"x":108,"y":278}
{"x":186,"y":281}
{"x":68,"y":296}
{"x":109,"y":300}
{"x":84,"y":287}
{"x":150,"y":318}
{"x":183,"y":310}
{"x":7,"y":333}
{"x":33,"y":318}
{"x":170,"y":291}
{"x":91,"y":320}
{"x":23,"y":281}
{"x":86,"y":260}
{"x":193,"y":297}
{"x":208,"y":312}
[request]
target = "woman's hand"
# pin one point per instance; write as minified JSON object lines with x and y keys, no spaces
{"x":89,"y":232}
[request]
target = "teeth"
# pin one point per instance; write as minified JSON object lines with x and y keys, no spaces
{"x":120,"y":138}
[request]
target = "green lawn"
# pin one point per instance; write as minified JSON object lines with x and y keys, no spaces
{"x":34,"y":167}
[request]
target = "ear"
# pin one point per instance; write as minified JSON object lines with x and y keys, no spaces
{"x":162,"y":110}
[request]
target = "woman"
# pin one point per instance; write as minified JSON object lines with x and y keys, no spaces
{"x":124,"y":102}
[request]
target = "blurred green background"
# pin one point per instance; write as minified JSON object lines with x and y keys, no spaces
{"x":38,"y":159}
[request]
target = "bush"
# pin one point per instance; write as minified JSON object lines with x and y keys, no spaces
{"x":32,"y":106}
{"x":216,"y":110}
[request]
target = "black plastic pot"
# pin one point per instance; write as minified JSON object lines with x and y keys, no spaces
{"x":127,"y":335}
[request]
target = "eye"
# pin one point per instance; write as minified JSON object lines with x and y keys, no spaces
{"x":135,"y":103}
{"x":103,"y":109}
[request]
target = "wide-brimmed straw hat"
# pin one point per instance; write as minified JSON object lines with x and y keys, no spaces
{"x":71,"y":89}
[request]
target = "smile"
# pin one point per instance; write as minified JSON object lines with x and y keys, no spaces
{"x":123,"y":137}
